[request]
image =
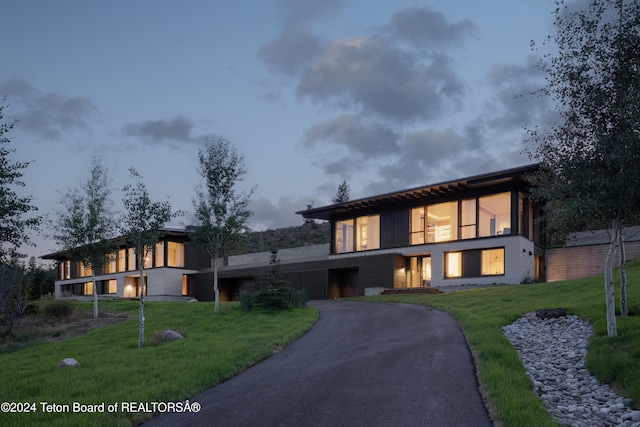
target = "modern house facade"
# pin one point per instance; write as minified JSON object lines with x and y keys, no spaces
{"x":165,"y":271}
{"x":476,"y":230}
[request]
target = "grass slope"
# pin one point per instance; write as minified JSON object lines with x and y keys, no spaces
{"x":508,"y":391}
{"x":114,"y":370}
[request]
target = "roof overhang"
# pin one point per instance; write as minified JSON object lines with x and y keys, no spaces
{"x":423,"y":194}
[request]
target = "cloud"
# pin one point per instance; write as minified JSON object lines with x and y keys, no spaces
{"x":364,"y":138}
{"x":267,"y":215}
{"x":422,"y":26}
{"x":292,"y":50}
{"x":178,"y":129}
{"x":296,"y":12}
{"x":47,"y":114}
{"x":381,"y":79}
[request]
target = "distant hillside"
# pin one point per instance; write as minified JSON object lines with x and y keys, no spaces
{"x":282,"y":238}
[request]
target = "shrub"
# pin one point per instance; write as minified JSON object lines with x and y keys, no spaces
{"x":246,"y":300}
{"x":57,"y":309}
{"x":273,"y":298}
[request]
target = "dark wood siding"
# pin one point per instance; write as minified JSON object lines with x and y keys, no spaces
{"x":394,"y":229}
{"x":399,"y":272}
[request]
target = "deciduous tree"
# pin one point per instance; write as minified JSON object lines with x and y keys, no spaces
{"x":86,"y":226}
{"x":141,"y":226}
{"x":221,"y":210}
{"x":591,"y":154}
{"x":15,"y":221}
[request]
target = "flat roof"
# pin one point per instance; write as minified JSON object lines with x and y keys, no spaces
{"x":422,"y":193}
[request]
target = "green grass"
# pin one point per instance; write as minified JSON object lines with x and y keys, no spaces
{"x":504,"y":383}
{"x":114,"y":370}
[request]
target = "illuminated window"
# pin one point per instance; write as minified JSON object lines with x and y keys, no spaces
{"x":160,"y":254}
{"x":111,"y":264}
{"x":185,"y":288}
{"x":453,"y":264}
{"x":442,"y":222}
{"x":344,"y":236}
{"x":468,"y":219}
{"x":131,"y":259}
{"x":175,"y":254}
{"x":492,"y":262}
{"x":64,"y":270}
{"x":368,"y":232}
{"x":494,"y":214}
{"x":87,"y":288}
{"x":122,"y":260}
{"x":148,"y":257}
{"x":417,"y":226}
{"x":112,"y":286}
{"x":84,"y":270}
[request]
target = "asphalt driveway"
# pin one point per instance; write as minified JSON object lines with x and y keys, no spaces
{"x":362,"y":364}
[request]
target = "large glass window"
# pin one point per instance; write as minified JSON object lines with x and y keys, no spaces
{"x":122,"y":260}
{"x":417,"y":226}
{"x":468,"y":219}
{"x":112,"y":286}
{"x":131,"y":259}
{"x":453,"y":264}
{"x":494,"y":215}
{"x":84,"y":270}
{"x":64,"y":270}
{"x":175,"y":254}
{"x":87,"y":288}
{"x":344,"y":236}
{"x":442,"y":222}
{"x":492,"y":262}
{"x":160,"y":254}
{"x":368,"y":232}
{"x":148,"y":258}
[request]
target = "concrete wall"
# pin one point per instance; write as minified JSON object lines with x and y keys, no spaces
{"x":584,"y":254}
{"x":574,"y":262}
{"x":285,"y":255}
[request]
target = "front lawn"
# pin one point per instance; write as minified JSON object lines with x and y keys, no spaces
{"x":113,"y":370}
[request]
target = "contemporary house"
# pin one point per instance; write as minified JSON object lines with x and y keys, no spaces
{"x":165,"y":271}
{"x":477,"y":230}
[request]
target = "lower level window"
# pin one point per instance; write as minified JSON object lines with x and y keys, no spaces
{"x":474,"y":263}
{"x":87,"y":288}
{"x":492,"y":262}
{"x":453,"y":262}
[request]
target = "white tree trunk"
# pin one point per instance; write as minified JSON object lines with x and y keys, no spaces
{"x":141,"y":306}
{"x":608,"y":280}
{"x":216,"y":292}
{"x":624,"y":309}
{"x":95,"y":292}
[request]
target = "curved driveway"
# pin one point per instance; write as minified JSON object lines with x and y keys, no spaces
{"x":361,"y":364}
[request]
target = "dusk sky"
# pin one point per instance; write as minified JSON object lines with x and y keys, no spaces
{"x":385,"y":95}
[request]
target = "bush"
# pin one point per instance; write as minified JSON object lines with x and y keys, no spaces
{"x":57,"y":309}
{"x":280,"y":298}
{"x":246,"y":300}
{"x":273,"y":298}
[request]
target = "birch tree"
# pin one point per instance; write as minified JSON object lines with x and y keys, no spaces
{"x":221,"y":210}
{"x":591,"y":153}
{"x":142,"y":225}
{"x":86,"y":225}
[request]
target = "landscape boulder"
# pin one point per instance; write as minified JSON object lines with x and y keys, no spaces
{"x":192,"y":300}
{"x":68,"y":362}
{"x":169,"y":335}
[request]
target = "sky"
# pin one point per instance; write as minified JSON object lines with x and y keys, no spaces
{"x":382,"y":95}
